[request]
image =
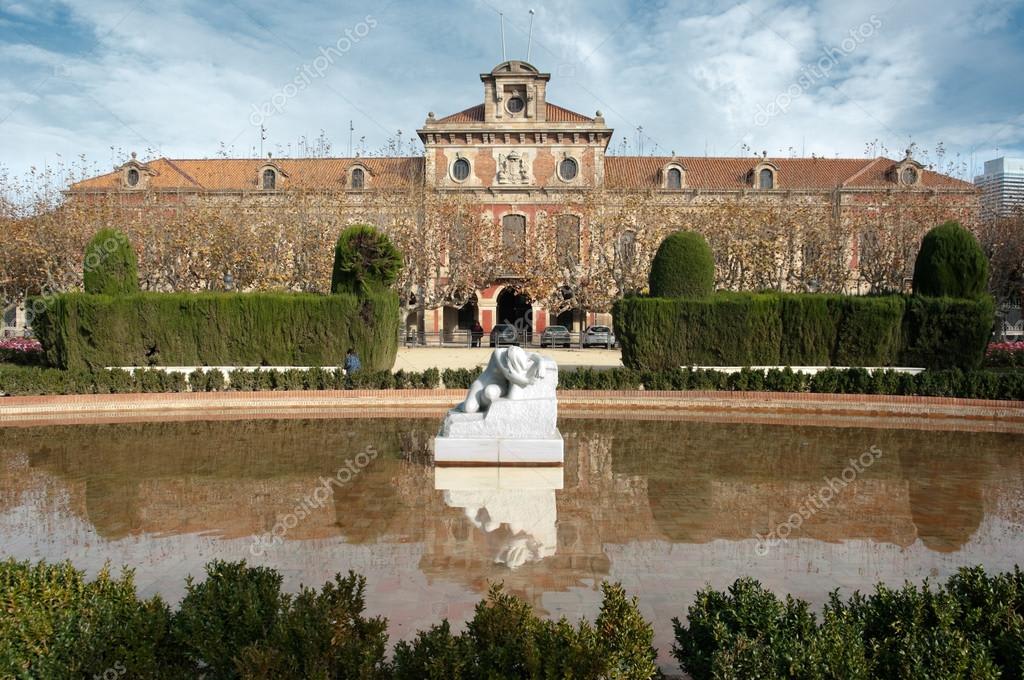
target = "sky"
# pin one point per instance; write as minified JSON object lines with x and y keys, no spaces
{"x":98,"y":79}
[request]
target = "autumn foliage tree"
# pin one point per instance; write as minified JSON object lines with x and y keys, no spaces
{"x":451,"y":246}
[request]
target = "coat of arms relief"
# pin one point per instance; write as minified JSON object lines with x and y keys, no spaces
{"x":512,"y":168}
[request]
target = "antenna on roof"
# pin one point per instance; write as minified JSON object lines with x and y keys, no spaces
{"x":351,"y":129}
{"x":503,"y":57}
{"x":263,"y":137}
{"x":529,"y":42}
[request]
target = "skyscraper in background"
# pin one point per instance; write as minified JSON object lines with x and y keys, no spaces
{"x":1002,"y":186}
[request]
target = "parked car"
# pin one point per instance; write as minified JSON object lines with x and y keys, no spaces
{"x":504,"y":334}
{"x":555,"y":336}
{"x":599,"y":336}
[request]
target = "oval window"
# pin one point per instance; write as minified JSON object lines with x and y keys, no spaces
{"x":516,"y":104}
{"x":133,"y":177}
{"x":460,"y":169}
{"x":568,"y":169}
{"x":909,"y":176}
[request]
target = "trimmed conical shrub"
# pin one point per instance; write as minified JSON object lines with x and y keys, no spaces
{"x":950,"y":264}
{"x":683,"y":267}
{"x":109,"y":266}
{"x":365,"y":261}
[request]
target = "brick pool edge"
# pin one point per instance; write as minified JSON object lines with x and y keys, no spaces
{"x":843,"y":410}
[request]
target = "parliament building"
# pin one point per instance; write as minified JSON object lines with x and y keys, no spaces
{"x":520,"y":157}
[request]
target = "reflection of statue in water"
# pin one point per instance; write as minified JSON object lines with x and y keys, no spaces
{"x":507,"y":373}
{"x":522,"y":521}
{"x":515,"y":508}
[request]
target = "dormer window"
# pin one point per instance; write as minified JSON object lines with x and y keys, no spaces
{"x":358,"y":178}
{"x":269,"y":179}
{"x":135,"y":175}
{"x":673,"y":176}
{"x":908,"y":171}
{"x":765,"y":176}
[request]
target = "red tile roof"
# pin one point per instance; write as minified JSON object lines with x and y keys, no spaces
{"x":474,"y":114}
{"x":214,"y":174}
{"x":621,"y":172}
{"x":643,"y":172}
{"x":555,"y":114}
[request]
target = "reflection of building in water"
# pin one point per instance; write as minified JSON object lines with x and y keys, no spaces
{"x":736,"y":481}
{"x":625,"y":483}
{"x":514,"y":507}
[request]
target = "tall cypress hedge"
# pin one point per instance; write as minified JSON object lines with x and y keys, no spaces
{"x":945,"y":332}
{"x":365,"y":261}
{"x":80,"y":331}
{"x":770,"y":329}
{"x":950,"y":263}
{"x":109,"y":266}
{"x":683,"y":267}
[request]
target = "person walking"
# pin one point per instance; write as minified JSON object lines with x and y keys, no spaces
{"x":352,"y":363}
{"x":477,"y":332}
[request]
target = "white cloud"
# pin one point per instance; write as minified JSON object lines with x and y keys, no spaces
{"x":183,"y":75}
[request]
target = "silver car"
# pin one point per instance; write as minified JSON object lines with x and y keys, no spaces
{"x":599,"y":336}
{"x":555,"y":336}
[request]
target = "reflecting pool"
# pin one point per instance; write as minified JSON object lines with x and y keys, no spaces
{"x":663,"y":506}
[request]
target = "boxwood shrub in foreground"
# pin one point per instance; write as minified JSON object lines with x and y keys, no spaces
{"x":971,"y":627}
{"x":237,"y":623}
{"x":82,"y":331}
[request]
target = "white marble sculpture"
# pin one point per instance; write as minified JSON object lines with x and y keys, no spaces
{"x":510,"y":414}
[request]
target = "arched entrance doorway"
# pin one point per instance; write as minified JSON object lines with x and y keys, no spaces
{"x":458,"y":321}
{"x":516,"y":308}
{"x":468,"y":313}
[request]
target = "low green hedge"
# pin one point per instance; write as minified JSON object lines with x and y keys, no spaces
{"x":80,"y":331}
{"x":25,"y":381}
{"x":971,"y":627}
{"x":460,"y":378}
{"x":946,"y":332}
{"x":744,"y":329}
{"x":980,"y":384}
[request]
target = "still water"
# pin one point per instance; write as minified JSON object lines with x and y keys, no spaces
{"x":665,"y":507}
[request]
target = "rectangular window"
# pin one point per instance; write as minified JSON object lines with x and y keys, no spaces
{"x":513,"y":236}
{"x":567,"y":239}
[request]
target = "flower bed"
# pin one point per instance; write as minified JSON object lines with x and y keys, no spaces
{"x":24,"y":351}
{"x":1005,"y":354}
